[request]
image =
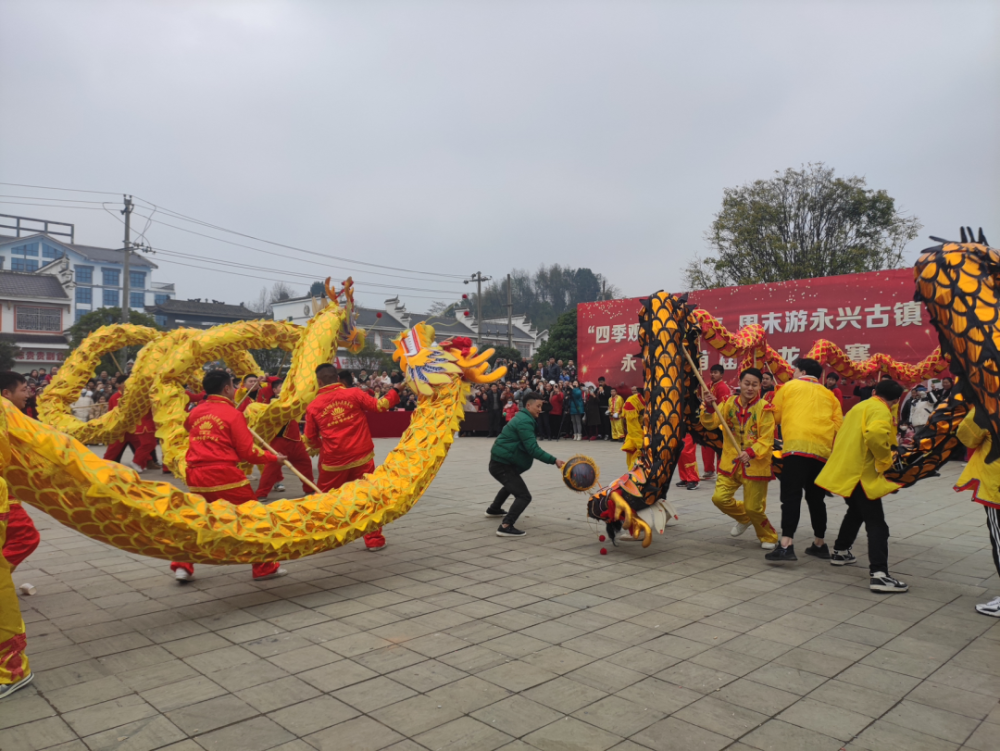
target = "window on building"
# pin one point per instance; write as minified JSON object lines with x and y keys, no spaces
{"x":137,"y":279}
{"x":25,"y":251}
{"x":80,"y":314}
{"x":161,"y":299}
{"x":111,"y":277}
{"x":110,"y":298}
{"x":51,"y":252}
{"x":85,"y":274}
{"x":84,"y":295}
{"x":137,"y":299}
{"x":161,"y":321}
{"x":22,"y":264}
{"x":30,"y":318}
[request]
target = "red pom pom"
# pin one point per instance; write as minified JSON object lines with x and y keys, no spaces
{"x":602,"y":538}
{"x":465,"y":297}
{"x":604,"y":551}
{"x":467,"y":314}
{"x":378,"y":315}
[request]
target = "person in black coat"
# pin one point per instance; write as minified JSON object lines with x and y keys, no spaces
{"x":494,"y":409}
{"x":603,"y":400}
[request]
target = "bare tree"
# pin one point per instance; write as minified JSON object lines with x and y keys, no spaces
{"x":265,"y":300}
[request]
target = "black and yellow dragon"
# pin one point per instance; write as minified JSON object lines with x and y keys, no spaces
{"x":958,"y":282}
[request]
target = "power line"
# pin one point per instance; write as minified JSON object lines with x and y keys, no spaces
{"x":67,"y":190}
{"x":203,"y":223}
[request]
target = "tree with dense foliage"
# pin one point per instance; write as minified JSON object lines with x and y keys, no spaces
{"x":802,"y":224}
{"x":8,"y":353}
{"x":317,"y":289}
{"x":90,"y":322}
{"x":372,"y":359}
{"x":505,"y":353}
{"x":561,"y":343}
{"x":544,"y":295}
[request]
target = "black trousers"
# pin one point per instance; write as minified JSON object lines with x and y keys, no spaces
{"x":542,"y":425}
{"x":513,"y":485}
{"x":993,"y":525}
{"x":555,"y":425}
{"x":605,"y":423}
{"x":496,"y":422}
{"x":798,"y":475}
{"x":861,"y":510}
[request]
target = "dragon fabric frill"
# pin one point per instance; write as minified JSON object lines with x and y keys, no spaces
{"x":665,"y":328}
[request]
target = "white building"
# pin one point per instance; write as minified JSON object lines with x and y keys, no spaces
{"x":394,"y":319}
{"x":35,"y":309}
{"x":92,"y":276}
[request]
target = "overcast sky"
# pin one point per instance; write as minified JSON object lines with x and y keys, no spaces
{"x":451,"y":137}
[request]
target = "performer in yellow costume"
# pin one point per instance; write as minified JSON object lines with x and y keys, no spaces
{"x":635,"y":405}
{"x":14,"y":671}
{"x":748,"y":465}
{"x":615,"y":407}
{"x":983,"y":479}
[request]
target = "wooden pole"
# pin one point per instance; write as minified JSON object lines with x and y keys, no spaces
{"x":305,"y":480}
{"x":697,"y":373}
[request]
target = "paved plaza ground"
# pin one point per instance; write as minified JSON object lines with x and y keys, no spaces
{"x":453,"y":638}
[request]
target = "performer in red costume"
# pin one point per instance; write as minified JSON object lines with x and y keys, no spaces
{"x":22,"y":537}
{"x":219,"y":440}
{"x":721,"y":391}
{"x":142,"y":441}
{"x":336,"y":423}
{"x":288,"y":442}
{"x":687,"y":465}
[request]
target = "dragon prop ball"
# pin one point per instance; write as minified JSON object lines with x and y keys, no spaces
{"x":958,"y":283}
{"x":106,"y":501}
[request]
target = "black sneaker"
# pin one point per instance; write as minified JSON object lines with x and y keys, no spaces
{"x":842,"y":558}
{"x":682,"y":484}
{"x":781,"y":555}
{"x":692,"y":486}
{"x":490,"y":513}
{"x":882,"y":582}
{"x":823,"y":552}
{"x":509,"y":531}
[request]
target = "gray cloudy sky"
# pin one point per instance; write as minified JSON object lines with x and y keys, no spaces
{"x":454,"y":136}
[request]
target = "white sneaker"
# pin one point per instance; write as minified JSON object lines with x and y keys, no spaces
{"x":990,"y":608}
{"x":279,"y":486}
{"x":880,"y":581}
{"x":136,"y":467}
{"x":276,"y":575}
{"x":182,"y":575}
{"x":739,"y":529}
{"x":767,"y":545}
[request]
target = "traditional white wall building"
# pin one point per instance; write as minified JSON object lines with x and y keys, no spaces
{"x":35,"y":309}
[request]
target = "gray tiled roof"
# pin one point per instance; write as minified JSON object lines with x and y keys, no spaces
{"x":197,"y":307}
{"x":21,"y":284}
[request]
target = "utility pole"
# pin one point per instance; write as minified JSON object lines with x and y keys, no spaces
{"x":127,"y":211}
{"x":510,"y":315}
{"x":478,"y":278}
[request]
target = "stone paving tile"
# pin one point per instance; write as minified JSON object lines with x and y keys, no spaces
{"x":468,"y":641}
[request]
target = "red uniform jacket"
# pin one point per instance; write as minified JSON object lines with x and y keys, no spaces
{"x":265,"y":396}
{"x":336,"y":422}
{"x":219,"y":439}
{"x":146,"y":425}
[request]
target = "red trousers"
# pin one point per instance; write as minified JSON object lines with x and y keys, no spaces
{"x":143,"y":447}
{"x":22,"y":537}
{"x":271,"y":475}
{"x":235,"y":496}
{"x":708,"y":458}
{"x":687,"y":465}
{"x":332,"y":480}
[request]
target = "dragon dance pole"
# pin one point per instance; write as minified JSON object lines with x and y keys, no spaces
{"x":701,"y":380}
{"x":305,"y":481}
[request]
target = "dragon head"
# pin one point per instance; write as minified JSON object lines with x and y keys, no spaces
{"x":427,"y":363}
{"x":350,"y":337}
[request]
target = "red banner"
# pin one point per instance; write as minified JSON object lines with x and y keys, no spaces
{"x":861,"y":313}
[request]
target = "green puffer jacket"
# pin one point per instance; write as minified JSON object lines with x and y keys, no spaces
{"x":517,"y":446}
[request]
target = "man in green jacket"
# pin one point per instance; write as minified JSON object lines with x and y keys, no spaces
{"x":512,"y":455}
